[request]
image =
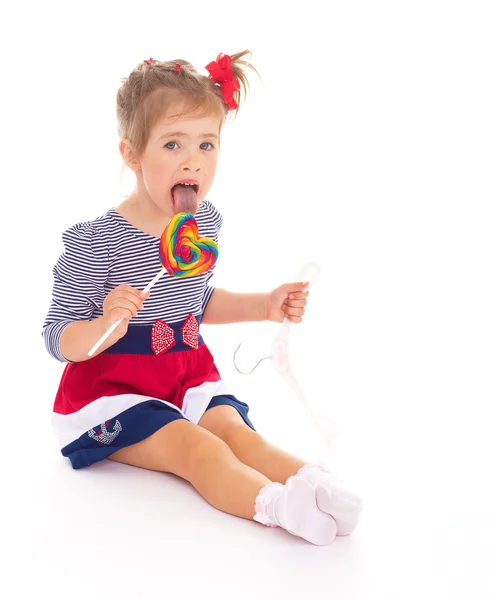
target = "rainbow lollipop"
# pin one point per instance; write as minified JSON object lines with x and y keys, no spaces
{"x":182,"y":254}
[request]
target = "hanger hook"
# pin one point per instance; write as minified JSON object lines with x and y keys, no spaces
{"x":253,"y":368}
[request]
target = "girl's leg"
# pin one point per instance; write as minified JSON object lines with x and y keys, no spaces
{"x":204,"y":460}
{"x":195,"y":454}
{"x":248,"y":446}
{"x":253,"y":450}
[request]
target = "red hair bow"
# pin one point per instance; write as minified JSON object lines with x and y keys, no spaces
{"x":221,"y":73}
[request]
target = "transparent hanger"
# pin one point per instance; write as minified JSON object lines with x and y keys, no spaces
{"x":325,"y":427}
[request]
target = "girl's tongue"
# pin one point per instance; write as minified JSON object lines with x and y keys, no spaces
{"x":184,"y":198}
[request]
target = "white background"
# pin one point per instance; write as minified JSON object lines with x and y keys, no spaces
{"x":366,"y":148}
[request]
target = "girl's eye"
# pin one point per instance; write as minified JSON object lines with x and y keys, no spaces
{"x":170,"y":147}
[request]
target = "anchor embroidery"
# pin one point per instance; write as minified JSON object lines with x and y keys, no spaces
{"x":103,"y":436}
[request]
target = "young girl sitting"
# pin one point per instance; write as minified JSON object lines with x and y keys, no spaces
{"x":151,"y":395}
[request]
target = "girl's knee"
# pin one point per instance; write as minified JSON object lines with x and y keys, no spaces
{"x":204,"y":449}
{"x":171,"y":449}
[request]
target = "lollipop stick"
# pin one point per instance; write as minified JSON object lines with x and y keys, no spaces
{"x":103,"y":338}
{"x":154,"y":280}
{"x":114,"y":325}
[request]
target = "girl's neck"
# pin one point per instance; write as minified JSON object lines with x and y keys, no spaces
{"x":143,"y":215}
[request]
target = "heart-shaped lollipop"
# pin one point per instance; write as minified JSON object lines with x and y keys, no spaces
{"x":182,"y":252}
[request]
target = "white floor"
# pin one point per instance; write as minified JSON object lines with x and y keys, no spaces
{"x":129,"y":533}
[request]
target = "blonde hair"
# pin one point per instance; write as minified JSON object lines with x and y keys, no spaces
{"x":153,"y":86}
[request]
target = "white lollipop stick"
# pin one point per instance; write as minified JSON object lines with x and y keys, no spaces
{"x":114,"y":325}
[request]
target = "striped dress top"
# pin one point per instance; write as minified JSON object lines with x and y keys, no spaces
{"x":109,"y":251}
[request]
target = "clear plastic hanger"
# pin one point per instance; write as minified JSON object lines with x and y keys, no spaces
{"x":324,"y":426}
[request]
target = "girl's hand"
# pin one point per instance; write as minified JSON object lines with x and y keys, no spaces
{"x":123,"y":302}
{"x":287,"y":300}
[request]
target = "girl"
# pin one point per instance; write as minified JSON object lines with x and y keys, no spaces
{"x":151,"y":395}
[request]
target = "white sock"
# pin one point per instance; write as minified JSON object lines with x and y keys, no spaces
{"x":334,"y":498}
{"x":294,"y":507}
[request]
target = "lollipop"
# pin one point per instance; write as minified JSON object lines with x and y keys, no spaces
{"x":182,"y":254}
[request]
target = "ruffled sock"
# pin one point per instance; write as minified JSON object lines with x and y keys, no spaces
{"x":334,"y":498}
{"x":294,"y":507}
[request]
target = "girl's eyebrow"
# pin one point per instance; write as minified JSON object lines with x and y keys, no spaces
{"x":181,"y":134}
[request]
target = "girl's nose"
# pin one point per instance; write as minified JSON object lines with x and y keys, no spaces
{"x":192,"y":163}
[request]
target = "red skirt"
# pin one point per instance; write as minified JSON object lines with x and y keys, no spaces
{"x":152,"y":376}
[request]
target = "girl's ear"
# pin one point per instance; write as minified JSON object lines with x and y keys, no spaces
{"x":128,"y":154}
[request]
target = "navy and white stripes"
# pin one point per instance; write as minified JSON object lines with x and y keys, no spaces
{"x":108,"y":251}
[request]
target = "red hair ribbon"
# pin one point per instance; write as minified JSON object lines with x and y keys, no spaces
{"x":149,"y":62}
{"x":178,"y":67}
{"x":221,"y":73}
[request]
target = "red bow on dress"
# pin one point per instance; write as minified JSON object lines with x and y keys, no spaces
{"x":221,"y":73}
{"x":163,"y":338}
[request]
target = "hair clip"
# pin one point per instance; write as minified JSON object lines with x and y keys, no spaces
{"x":221,"y":73}
{"x":149,"y":62}
{"x":178,"y":67}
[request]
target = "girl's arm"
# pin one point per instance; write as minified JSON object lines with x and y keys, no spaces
{"x":79,"y":337}
{"x":287,"y":300}
{"x":231,"y":307}
{"x":80,"y":275}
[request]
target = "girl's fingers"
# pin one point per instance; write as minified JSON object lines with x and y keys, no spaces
{"x":132,"y":291}
{"x":296,"y":303}
{"x":293,"y":312}
{"x":126,"y":288}
{"x":298,"y":295}
{"x":128,"y":296}
{"x":119,"y":313}
{"x":125,"y":303}
{"x":294,"y":319}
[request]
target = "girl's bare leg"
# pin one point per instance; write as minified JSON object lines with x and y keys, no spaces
{"x":253,"y":450}
{"x":207,"y":462}
{"x":248,"y":446}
